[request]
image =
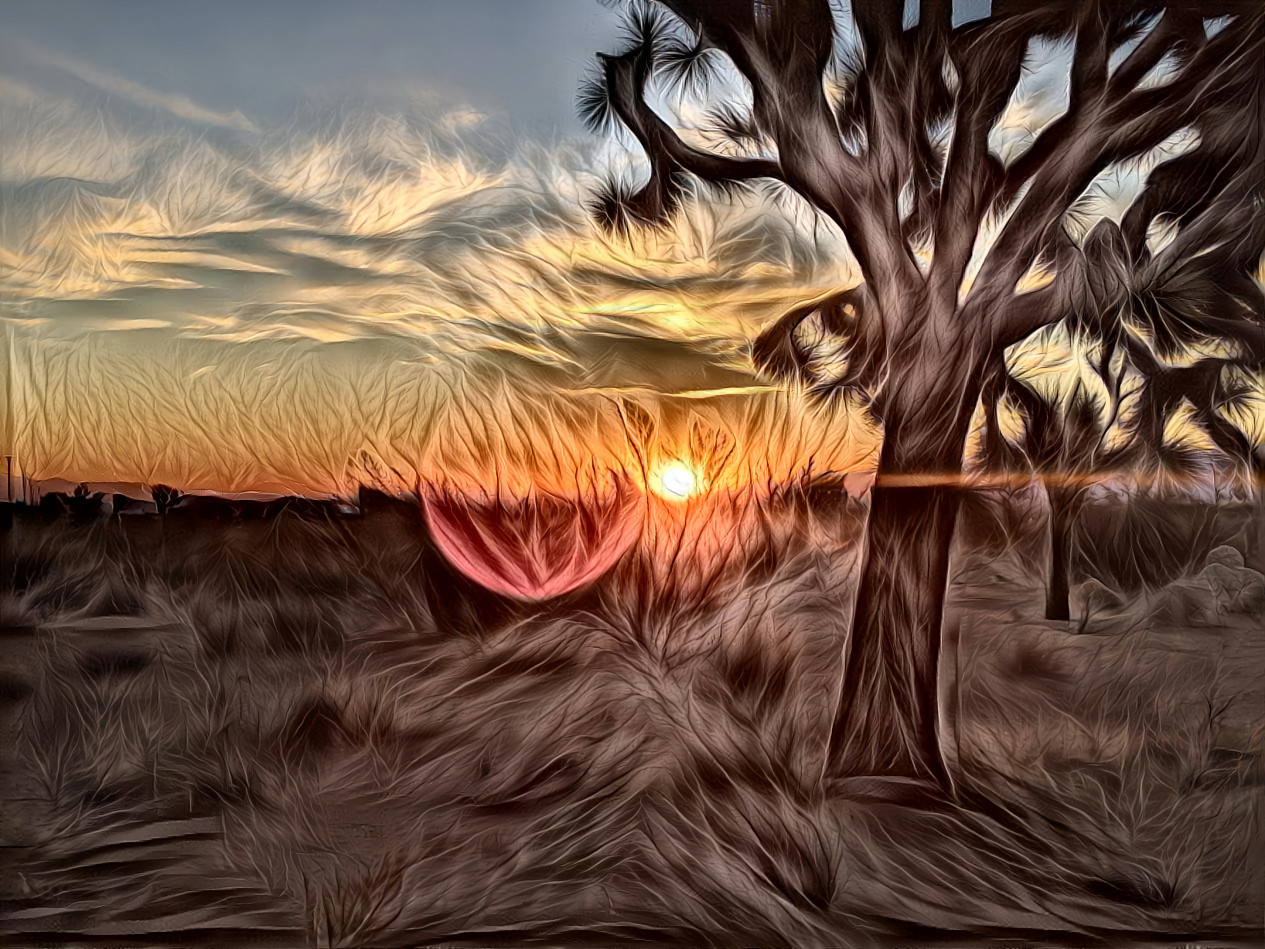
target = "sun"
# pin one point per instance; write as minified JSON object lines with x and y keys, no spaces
{"x":677,"y":480}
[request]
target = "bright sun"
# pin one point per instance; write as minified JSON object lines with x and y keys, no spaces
{"x":677,"y":480}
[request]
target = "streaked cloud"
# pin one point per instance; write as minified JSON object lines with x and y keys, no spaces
{"x":343,"y":298}
{"x":33,"y":55}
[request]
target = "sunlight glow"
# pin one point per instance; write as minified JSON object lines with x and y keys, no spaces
{"x":678,"y":480}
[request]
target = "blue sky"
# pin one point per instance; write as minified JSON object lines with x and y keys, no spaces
{"x":261,"y":57}
{"x":525,"y":58}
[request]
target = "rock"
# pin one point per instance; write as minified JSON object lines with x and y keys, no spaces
{"x":1224,"y":556}
{"x":1251,"y":598}
{"x":1096,"y":597}
{"x":1187,"y":601}
{"x":1234,"y":588}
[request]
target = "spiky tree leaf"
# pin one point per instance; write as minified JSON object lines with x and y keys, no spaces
{"x":738,"y":127}
{"x":593,"y":104}
{"x":689,"y":67}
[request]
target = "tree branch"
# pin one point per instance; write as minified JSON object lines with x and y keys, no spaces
{"x":1028,"y":312}
{"x":1177,"y":27}
{"x":1097,"y":134}
{"x":1184,"y":186}
{"x":776,"y":350}
{"x":989,"y":66}
{"x":782,"y":49}
{"x":669,"y":155}
{"x":1088,"y":77}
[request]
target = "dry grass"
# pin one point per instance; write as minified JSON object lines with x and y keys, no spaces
{"x":307,"y":730}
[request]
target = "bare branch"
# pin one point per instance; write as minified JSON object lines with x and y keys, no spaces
{"x":1089,"y":63}
{"x":626,"y":77}
{"x":1177,"y":29}
{"x":783,"y":49}
{"x":1184,"y":186}
{"x":989,"y":66}
{"x":777,"y":351}
{"x":1026,"y":313}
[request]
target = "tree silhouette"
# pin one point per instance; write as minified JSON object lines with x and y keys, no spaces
{"x":83,"y":503}
{"x":1063,"y":440}
{"x":897,"y":156}
{"x":165,"y":497}
{"x":1070,"y":438}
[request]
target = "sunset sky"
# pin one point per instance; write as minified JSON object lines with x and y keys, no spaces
{"x":297,"y":246}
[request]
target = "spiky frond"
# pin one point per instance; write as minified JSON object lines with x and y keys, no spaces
{"x":610,"y":207}
{"x":645,"y":30}
{"x":593,"y":104}
{"x":735,"y":126}
{"x":1177,"y":457}
{"x":1195,"y":300}
{"x":617,"y":207}
{"x":716,"y":190}
{"x":689,"y":67}
{"x":1236,"y":392}
{"x":1062,"y":433}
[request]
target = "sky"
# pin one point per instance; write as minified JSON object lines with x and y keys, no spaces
{"x":263,"y":57}
{"x":520,"y":57}
{"x":296,"y":246}
{"x":287,"y":247}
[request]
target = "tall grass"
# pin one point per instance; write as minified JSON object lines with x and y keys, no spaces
{"x":307,"y":729}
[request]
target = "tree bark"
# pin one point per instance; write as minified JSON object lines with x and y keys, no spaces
{"x":887,"y":715}
{"x":886,"y":722}
{"x":1062,"y":519}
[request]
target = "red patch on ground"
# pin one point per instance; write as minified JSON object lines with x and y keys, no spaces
{"x":539,"y":547}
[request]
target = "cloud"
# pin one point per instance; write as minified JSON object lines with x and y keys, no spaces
{"x":109,"y":82}
{"x":301,"y":306}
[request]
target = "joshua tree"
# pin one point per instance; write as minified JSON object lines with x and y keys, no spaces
{"x":1063,"y":441}
{"x":884,"y":131}
{"x":84,"y":503}
{"x":1209,"y":387}
{"x":1070,"y":440}
{"x":165,"y":497}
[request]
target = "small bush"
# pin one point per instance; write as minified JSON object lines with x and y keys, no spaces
{"x":1151,"y":540}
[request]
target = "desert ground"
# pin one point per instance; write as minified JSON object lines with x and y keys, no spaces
{"x":302,"y":727}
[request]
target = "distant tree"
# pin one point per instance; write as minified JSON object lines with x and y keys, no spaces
{"x":165,"y":497}
{"x":1062,"y":441}
{"x":894,"y":150}
{"x":1208,"y":387}
{"x":1070,"y":439}
{"x":84,"y":503}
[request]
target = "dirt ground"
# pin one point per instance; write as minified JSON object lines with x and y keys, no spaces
{"x":306,"y":730}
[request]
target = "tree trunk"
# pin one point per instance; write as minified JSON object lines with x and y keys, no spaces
{"x":887,"y":717}
{"x":1062,"y":519}
{"x":886,"y":721}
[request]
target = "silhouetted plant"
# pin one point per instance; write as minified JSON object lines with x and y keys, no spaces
{"x":165,"y":497}
{"x":84,"y":503}
{"x":1071,"y":439}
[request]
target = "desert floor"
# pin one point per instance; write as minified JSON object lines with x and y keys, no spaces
{"x":305,"y":729}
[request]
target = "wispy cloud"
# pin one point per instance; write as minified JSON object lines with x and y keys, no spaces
{"x":110,"y":82}
{"x":296,"y":308}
